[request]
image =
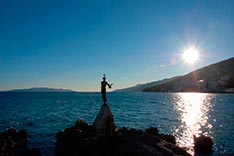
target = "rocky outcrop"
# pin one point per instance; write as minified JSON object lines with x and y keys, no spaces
{"x":83,"y":139}
{"x":14,"y":143}
{"x":203,"y":145}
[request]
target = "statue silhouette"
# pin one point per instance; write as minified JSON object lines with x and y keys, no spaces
{"x":103,"y":88}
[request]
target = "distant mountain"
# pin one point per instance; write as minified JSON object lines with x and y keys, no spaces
{"x":141,"y":87}
{"x":218,"y":77}
{"x":41,"y":89}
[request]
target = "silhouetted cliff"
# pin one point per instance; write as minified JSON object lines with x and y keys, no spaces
{"x":141,"y":87}
{"x":218,"y":77}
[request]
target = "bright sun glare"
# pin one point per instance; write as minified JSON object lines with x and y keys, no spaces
{"x":190,"y":55}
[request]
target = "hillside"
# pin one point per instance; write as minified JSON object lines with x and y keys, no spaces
{"x":218,"y":77}
{"x":141,"y":87}
{"x":41,"y":89}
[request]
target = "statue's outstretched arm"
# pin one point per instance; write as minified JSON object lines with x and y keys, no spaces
{"x":110,"y":85}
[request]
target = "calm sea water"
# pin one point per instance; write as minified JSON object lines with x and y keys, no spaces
{"x":180,"y":114}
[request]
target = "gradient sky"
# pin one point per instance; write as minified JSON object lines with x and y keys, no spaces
{"x":70,"y":44}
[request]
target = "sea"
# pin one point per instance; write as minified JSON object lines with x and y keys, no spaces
{"x":183,"y":115}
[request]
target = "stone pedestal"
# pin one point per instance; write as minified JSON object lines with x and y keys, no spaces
{"x":104,"y":121}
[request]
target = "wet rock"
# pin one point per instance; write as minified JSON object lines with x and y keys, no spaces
{"x":14,"y":143}
{"x":203,"y":145}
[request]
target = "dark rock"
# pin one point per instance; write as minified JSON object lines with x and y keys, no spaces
{"x":203,"y":144}
{"x":34,"y":152}
{"x":176,"y":150}
{"x":133,"y":133}
{"x":15,"y":144}
{"x":166,"y":137}
{"x":140,"y":136}
{"x":81,"y":124}
{"x":169,"y":138}
{"x":152,"y":131}
{"x":77,"y":138}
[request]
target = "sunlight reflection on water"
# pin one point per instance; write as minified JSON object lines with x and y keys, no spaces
{"x":193,"y":109}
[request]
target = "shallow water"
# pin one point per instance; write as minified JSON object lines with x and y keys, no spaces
{"x":180,"y":114}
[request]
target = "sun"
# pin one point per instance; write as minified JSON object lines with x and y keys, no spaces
{"x":190,"y":55}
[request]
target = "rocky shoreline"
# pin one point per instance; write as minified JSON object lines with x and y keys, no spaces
{"x":13,"y":143}
{"x":103,"y":138}
{"x":82,"y":140}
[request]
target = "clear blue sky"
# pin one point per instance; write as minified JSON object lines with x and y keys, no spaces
{"x":70,"y":44}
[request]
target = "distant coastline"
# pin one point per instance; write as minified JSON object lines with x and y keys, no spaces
{"x":40,"y":89}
